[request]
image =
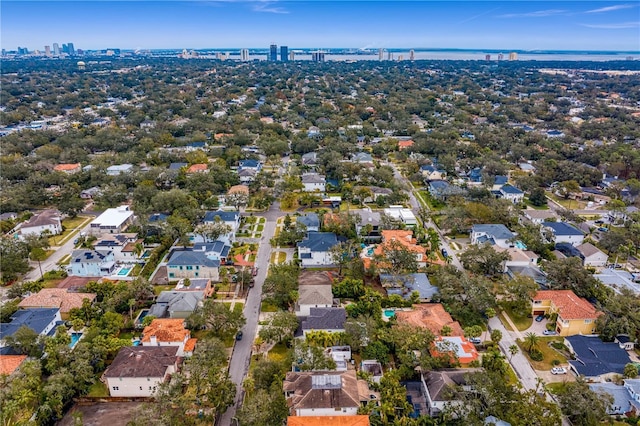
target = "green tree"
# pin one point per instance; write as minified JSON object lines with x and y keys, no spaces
{"x":310,"y":357}
{"x":25,"y":341}
{"x":531,"y":341}
{"x":538,"y":197}
{"x":583,"y":406}
{"x":218,"y":318}
{"x":396,"y":259}
{"x":280,"y":327}
{"x":513,"y":350}
{"x":281,"y":284}
{"x":496,"y":336}
{"x":264,"y":408}
{"x":483,"y":259}
{"x":630,"y":371}
{"x":13,"y":259}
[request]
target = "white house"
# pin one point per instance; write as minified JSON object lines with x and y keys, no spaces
{"x":402,"y":214}
{"x":562,"y":232}
{"x":314,"y":182}
{"x":315,"y":249}
{"x":494,"y":234}
{"x":137,"y":371}
{"x":591,"y":255}
{"x":47,"y":220}
{"x":92,"y":263}
{"x":538,"y":216}
{"x":119,"y":169}
{"x":124,"y":246}
{"x":511,"y":193}
{"x":41,"y":320}
{"x":313,"y":296}
{"x":112,"y":221}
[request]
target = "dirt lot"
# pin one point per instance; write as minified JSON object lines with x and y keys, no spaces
{"x":102,"y":414}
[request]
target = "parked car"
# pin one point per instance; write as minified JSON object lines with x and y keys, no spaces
{"x":255,"y":271}
{"x":599,"y":222}
{"x":539,"y":318}
{"x":549,"y":332}
{"x":558,"y":370}
{"x":603,"y":229}
{"x":239,"y":335}
{"x":445,"y":254}
{"x":475,"y":340}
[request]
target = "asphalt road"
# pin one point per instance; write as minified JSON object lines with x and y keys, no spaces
{"x":415,"y":207}
{"x":241,"y":356}
{"x":52,"y":261}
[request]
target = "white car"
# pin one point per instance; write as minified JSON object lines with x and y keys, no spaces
{"x":558,"y":370}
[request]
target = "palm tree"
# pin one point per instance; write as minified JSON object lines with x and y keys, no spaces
{"x":531,"y":340}
{"x":513,"y":349}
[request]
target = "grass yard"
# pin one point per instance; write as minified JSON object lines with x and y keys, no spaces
{"x":278,"y":353}
{"x":521,"y":322}
{"x":567,"y":203}
{"x":528,"y":203}
{"x":157,"y":289}
{"x":547,"y":351}
{"x":504,"y":322}
{"x":71,"y":226}
{"x":260,"y":228}
{"x":66,"y":259}
{"x":268,"y":307}
{"x":278,"y":257}
{"x":238,"y":307}
{"x":98,"y":389}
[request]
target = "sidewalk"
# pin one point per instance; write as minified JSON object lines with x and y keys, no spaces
{"x":515,"y":331}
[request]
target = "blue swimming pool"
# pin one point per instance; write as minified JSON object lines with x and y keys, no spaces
{"x":521,"y":245}
{"x":389,"y":313}
{"x":136,"y":343}
{"x":124,"y":272}
{"x":75,"y":337}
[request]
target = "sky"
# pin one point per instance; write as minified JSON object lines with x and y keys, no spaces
{"x":197,"y":24}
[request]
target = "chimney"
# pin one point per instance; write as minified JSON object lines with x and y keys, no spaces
{"x":153,"y":340}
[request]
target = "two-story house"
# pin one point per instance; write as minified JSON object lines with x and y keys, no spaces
{"x":47,"y":221}
{"x":42,"y":321}
{"x":112,"y":221}
{"x":169,"y":332}
{"x":315,"y":249}
{"x":137,"y":371}
{"x":562,"y":232}
{"x":313,"y":182}
{"x":314,"y":291}
{"x":511,"y":193}
{"x":189,"y":263}
{"x":493,"y":234}
{"x":575,"y":315}
{"x":126,"y":248}
{"x":92,"y":263}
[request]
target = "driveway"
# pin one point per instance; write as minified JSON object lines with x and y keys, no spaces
{"x":537,"y":327}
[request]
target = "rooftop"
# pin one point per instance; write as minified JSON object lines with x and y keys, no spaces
{"x":569,"y":305}
{"x":317,"y":390}
{"x":45,"y":217}
{"x":562,"y":228}
{"x":319,"y":241}
{"x":59,"y":298}
{"x":331,"y":319}
{"x":113,"y":217}
{"x":496,"y":230}
{"x":165,"y":330}
{"x":595,"y":357}
{"x":431,"y":316}
{"x":359,"y":420}
{"x":142,"y":361}
{"x":36,"y":319}
{"x":10,"y":363}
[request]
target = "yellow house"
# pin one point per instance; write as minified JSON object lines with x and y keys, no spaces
{"x":575,"y":314}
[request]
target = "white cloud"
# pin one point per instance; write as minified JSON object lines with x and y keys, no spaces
{"x":267,"y":7}
{"x":536,"y":14}
{"x":614,"y":26}
{"x":610,"y":8}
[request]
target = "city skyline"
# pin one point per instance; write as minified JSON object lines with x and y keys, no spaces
{"x":603,"y":25}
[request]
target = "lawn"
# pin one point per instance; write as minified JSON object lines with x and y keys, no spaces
{"x":260,"y":228}
{"x":238,"y":307}
{"x":431,"y":202}
{"x":98,"y":389}
{"x":268,"y":307}
{"x":528,"y":203}
{"x":157,"y":289}
{"x":547,"y":351}
{"x":71,"y":226}
{"x":278,"y":257}
{"x":278,"y":353}
{"x":521,"y":322}
{"x":66,"y":259}
{"x":567,"y":203}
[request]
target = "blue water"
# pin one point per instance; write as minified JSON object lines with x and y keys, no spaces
{"x":389,"y":313}
{"x":521,"y":245}
{"x":124,"y":271}
{"x":143,"y":314}
{"x":136,"y":343}
{"x":370,"y":252}
{"x":74,"y":339}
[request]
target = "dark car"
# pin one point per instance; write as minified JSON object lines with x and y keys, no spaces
{"x":255,"y":271}
{"x":539,"y":318}
{"x":239,"y":335}
{"x":445,"y":253}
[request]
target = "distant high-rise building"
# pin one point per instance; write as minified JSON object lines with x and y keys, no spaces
{"x":412,"y":55}
{"x":284,"y":53}
{"x":273,"y":52}
{"x":56,"y":49}
{"x":65,"y":48}
{"x":390,"y":56}
{"x":23,"y":50}
{"x":4,"y":52}
{"x":317,"y":56}
{"x":47,"y":50}
{"x":381,"y":54}
{"x":244,"y":55}
{"x":513,"y":56}
{"x":72,"y":50}
{"x":500,"y":56}
{"x":487,"y":57}
{"x":292,"y":56}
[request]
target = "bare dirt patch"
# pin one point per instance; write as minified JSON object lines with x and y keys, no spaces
{"x":102,"y":413}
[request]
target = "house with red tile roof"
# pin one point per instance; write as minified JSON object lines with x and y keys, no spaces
{"x":390,"y":239}
{"x":10,"y":363}
{"x":169,"y":332}
{"x":575,"y":315}
{"x":402,"y":145}
{"x":431,"y":316}
{"x":59,"y":298}
{"x":68,"y":168}
{"x":357,"y":420}
{"x":198,"y":168}
{"x":458,"y":348}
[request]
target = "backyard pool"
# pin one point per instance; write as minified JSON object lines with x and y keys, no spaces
{"x":389,"y":313}
{"x":521,"y":245}
{"x":75,"y":337}
{"x":136,"y":343}
{"x":123,"y":272}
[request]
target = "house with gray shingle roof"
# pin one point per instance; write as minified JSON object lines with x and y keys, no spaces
{"x":562,"y":232}
{"x":189,"y":263}
{"x":311,"y":221}
{"x":493,"y":234}
{"x":43,"y":321}
{"x":330,"y":320}
{"x":511,"y":193}
{"x":315,"y":249}
{"x":176,"y":304}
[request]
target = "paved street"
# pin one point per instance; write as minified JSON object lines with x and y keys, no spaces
{"x":519,"y":362}
{"x":415,"y":207}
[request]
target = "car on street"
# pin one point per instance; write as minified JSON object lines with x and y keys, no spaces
{"x":239,"y":335}
{"x":255,"y":271}
{"x":549,"y":332}
{"x":445,"y":254}
{"x":599,"y":222}
{"x":539,"y":318}
{"x":558,"y":370}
